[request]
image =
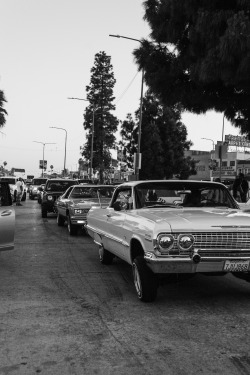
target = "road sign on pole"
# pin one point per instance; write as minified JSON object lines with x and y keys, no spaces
{"x":43,"y":164}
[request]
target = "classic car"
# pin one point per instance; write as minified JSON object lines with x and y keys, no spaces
{"x":171,"y":227}
{"x":12,"y":180}
{"x":7,"y":218}
{"x":34,"y":187}
{"x":54,"y":187}
{"x":77,"y":200}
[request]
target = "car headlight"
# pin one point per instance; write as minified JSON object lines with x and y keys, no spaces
{"x":81,"y":211}
{"x":50,"y":198}
{"x":165,"y":242}
{"x":185,"y":241}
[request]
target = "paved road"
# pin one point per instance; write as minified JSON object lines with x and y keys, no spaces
{"x":62,"y":312}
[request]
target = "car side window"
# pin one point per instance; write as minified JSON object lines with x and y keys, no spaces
{"x":123,"y":200}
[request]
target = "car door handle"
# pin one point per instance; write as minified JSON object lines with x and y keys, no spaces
{"x":6,"y":213}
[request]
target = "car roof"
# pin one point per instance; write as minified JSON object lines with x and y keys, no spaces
{"x":92,"y":186}
{"x":135,"y":183}
{"x":60,"y":179}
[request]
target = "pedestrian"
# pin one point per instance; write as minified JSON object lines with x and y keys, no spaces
{"x":240,"y":188}
{"x":19,"y":191}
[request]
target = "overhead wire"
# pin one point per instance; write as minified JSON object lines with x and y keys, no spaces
{"x":124,"y":92}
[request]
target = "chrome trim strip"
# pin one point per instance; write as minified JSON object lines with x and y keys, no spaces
{"x":104,"y":234}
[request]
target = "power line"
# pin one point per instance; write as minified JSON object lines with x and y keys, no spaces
{"x":124,"y":92}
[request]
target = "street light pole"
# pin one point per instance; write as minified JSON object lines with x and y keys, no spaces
{"x":209,"y":139}
{"x":65,"y":149}
{"x":221,"y":147}
{"x":211,"y":166}
{"x":138,"y":158}
{"x":43,"y":150}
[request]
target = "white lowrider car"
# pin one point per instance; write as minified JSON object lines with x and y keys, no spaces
{"x":12,"y":181}
{"x":172,"y":227}
{"x":7,"y":218}
{"x":74,"y":204}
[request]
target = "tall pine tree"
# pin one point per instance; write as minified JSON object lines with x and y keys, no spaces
{"x":100,"y":97}
{"x":3,"y":112}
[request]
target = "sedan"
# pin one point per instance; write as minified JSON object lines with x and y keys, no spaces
{"x":77,"y":200}
{"x":166,"y":228}
{"x":7,"y":218}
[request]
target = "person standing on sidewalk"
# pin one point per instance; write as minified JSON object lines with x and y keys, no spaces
{"x":240,"y":188}
{"x":19,"y":191}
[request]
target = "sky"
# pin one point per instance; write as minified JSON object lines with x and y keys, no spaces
{"x":48,"y":48}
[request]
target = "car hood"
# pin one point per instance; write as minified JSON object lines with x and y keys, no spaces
{"x":197,"y":219}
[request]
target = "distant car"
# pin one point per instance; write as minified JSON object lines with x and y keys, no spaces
{"x":54,"y":187}
{"x":169,"y":227}
{"x":77,"y":200}
{"x":85,"y":181}
{"x":12,"y":180}
{"x":7,"y":218}
{"x":28,"y":182}
{"x":40,"y":190}
{"x":33,"y":189}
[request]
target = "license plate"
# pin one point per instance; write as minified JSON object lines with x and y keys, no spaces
{"x":236,"y":265}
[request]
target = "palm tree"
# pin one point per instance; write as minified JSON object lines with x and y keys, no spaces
{"x":3,"y":112}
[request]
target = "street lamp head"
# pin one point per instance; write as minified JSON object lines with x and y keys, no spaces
{"x":55,"y":127}
{"x":45,"y":143}
{"x":114,"y":36}
{"x":86,"y":100}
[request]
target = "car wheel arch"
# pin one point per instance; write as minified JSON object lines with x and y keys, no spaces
{"x":136,"y":248}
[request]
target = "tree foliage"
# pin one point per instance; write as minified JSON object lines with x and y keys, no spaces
{"x":199,"y":56}
{"x":100,"y":97}
{"x":163,"y":141}
{"x":3,"y":112}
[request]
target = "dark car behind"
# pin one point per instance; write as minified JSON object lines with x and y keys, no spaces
{"x":52,"y":190}
{"x":36,"y":182}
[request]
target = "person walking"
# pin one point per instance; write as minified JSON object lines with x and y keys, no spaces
{"x":19,"y":191}
{"x":240,"y":186}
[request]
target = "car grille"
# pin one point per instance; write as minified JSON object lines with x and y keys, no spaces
{"x":217,"y":244}
{"x":81,"y":217}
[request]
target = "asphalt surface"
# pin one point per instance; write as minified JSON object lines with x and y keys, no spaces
{"x":62,"y":312}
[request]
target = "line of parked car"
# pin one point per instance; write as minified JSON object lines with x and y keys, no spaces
{"x":161,"y":228}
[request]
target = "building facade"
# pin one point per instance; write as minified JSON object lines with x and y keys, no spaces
{"x":208,"y":165}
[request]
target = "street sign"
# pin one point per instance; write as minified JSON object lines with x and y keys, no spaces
{"x":43,"y":164}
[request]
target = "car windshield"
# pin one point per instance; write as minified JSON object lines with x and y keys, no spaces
{"x":59,"y":185}
{"x":83,"y":192}
{"x":39,"y":181}
{"x":183,"y":194}
{"x":9,"y":180}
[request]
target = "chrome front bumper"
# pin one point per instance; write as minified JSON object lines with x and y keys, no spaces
{"x":161,"y":265}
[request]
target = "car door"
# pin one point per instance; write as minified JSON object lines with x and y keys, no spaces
{"x":7,"y":218}
{"x":62,"y":202}
{"x":116,"y":237}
